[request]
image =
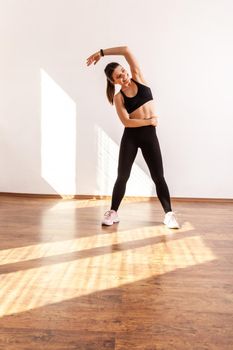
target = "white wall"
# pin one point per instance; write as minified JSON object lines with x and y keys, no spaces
{"x":58,"y":132}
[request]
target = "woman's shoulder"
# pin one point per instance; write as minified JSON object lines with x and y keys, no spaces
{"x":118,"y":95}
{"x":118,"y":99}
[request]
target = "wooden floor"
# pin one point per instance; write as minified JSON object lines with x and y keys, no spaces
{"x":67,"y":283}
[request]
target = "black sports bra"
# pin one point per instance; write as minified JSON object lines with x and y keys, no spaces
{"x":142,"y":96}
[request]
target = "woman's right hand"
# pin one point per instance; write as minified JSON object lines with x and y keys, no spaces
{"x":153,"y":121}
{"x":93,"y":58}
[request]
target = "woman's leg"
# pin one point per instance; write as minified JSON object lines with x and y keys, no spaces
{"x":127,"y":154}
{"x":152,"y":155}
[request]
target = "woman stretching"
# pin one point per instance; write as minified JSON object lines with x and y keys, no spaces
{"x":134,"y":106}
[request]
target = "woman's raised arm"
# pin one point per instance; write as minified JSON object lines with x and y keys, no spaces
{"x":122,"y":51}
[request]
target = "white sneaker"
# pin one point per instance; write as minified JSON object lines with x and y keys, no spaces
{"x":110,"y":217}
{"x":170,"y":220}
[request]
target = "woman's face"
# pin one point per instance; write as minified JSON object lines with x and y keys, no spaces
{"x":120,"y":76}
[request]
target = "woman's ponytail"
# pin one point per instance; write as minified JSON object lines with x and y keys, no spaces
{"x":110,"y":91}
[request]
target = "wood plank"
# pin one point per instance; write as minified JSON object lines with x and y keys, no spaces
{"x":66,"y":282}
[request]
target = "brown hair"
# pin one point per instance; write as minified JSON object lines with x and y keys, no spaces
{"x":110,"y":91}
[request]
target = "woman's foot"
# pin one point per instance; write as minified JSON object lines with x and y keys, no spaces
{"x":110,"y":217}
{"x":170,"y":220}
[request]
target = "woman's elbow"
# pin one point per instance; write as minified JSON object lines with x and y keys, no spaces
{"x":126,"y":125}
{"x":125,"y":122}
{"x":126,"y":49}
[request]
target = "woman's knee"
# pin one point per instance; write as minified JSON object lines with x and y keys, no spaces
{"x":122,"y":178}
{"x":158,"y":178}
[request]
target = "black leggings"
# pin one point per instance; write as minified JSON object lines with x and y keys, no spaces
{"x":145,"y":138}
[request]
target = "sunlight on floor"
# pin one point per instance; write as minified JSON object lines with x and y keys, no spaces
{"x":58,"y":137}
{"x":51,"y":249}
{"x":60,"y":271}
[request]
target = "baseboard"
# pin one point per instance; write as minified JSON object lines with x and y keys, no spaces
{"x":99,"y":197}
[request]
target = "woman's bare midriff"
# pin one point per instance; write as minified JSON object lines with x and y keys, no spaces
{"x":145,"y":111}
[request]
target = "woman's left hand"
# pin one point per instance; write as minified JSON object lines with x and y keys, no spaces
{"x":93,"y":58}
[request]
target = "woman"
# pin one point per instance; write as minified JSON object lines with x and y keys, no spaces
{"x":134,"y":106}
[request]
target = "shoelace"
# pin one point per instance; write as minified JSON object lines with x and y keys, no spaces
{"x":172,"y":219}
{"x":108,"y":213}
{"x":172,"y":215}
